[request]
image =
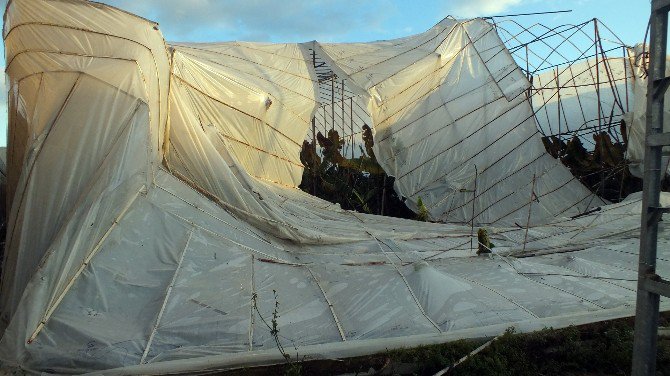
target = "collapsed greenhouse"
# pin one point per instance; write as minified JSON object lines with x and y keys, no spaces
{"x":155,"y":224}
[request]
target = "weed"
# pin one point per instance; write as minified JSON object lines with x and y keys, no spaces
{"x":293,"y":367}
{"x":422,"y":212}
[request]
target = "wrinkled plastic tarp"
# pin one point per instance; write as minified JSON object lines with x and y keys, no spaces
{"x":154,"y":209}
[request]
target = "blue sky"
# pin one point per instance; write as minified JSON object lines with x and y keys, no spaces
{"x":349,"y":20}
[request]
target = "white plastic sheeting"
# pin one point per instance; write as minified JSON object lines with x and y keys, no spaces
{"x":453,"y":125}
{"x":253,"y":100}
{"x":154,"y":209}
{"x":82,"y":136}
{"x":572,"y":99}
{"x":637,"y":117}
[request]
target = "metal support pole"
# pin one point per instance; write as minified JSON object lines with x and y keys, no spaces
{"x":625,"y":76}
{"x":472,"y":218}
{"x":600,"y":145}
{"x":344,"y":131}
{"x":530,"y":207}
{"x":383,"y":195}
{"x":325,"y":122}
{"x":351,"y":124}
{"x":332,"y":102}
{"x":528,"y":75}
{"x":646,"y":314}
{"x":558,"y":103}
{"x":314,"y":149}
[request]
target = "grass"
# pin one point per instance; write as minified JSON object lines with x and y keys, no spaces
{"x":596,"y":349}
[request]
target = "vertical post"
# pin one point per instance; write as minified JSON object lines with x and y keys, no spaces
{"x":558,"y":104}
{"x":595,"y":44}
{"x":530,"y":205}
{"x":529,"y":76}
{"x":325,"y":122}
{"x":599,"y":144}
{"x":625,"y":77}
{"x":343,"y":130}
{"x":646,"y":311}
{"x":314,"y":125}
{"x":332,"y":101}
{"x":383,"y":195}
{"x":351,"y":124}
{"x":472,"y":218}
{"x":314,"y":148}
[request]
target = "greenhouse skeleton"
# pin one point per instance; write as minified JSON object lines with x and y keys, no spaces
{"x":154,"y":219}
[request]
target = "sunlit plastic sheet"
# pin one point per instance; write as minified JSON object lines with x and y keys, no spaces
{"x":637,"y":117}
{"x":79,"y":130}
{"x":191,"y":291}
{"x":453,"y":125}
{"x":568,"y":99}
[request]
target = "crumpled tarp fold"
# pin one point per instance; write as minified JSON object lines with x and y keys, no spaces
{"x":155,"y":224}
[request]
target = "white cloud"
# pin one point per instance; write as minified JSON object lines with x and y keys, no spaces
{"x":261,"y":20}
{"x":478,"y":8}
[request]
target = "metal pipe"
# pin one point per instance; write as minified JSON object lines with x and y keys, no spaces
{"x":646,"y":313}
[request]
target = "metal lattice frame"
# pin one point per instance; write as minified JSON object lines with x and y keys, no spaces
{"x":651,"y":286}
{"x":538,"y":49}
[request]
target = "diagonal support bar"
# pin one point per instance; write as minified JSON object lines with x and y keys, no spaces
{"x":82,"y":267}
{"x":165,"y":300}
